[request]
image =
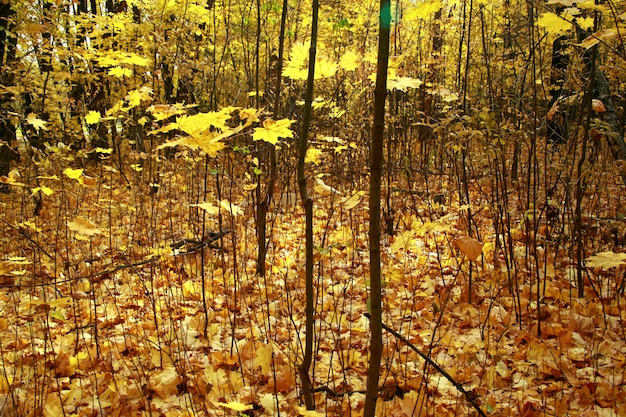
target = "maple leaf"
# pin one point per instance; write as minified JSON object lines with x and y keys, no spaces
{"x":350,"y":61}
{"x":325,"y":68}
{"x":236,"y":406}
{"x":402,"y":83}
{"x":92,"y":117}
{"x":43,"y":189}
{"x":470,"y":247}
{"x":422,"y":10}
{"x":606,"y":260}
{"x":37,"y":123}
{"x":198,"y":123}
{"x":250,"y":116}
{"x":120,"y":72}
{"x":553,"y":23}
{"x":83,"y":226}
{"x":75,"y":174}
{"x":351,"y":202}
{"x":295,"y":73}
{"x":135,"y":97}
{"x":313,"y":155}
{"x":272,"y":130}
{"x":165,"y":382}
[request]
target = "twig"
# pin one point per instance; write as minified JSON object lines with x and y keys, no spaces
{"x":471,"y":397}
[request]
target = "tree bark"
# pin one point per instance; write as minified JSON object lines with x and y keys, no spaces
{"x":307,"y":201}
{"x":376,"y":164}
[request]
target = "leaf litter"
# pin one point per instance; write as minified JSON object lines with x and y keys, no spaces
{"x":118,"y":323}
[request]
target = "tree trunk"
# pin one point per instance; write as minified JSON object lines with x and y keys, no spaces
{"x":376,"y":164}
{"x":307,"y":201}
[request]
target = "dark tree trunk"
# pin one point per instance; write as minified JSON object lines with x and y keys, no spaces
{"x":7,"y":57}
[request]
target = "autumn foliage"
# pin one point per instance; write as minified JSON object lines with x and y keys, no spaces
{"x":135,"y":143}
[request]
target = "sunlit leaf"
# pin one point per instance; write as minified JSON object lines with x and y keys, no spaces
{"x":208,"y":207}
{"x":92,"y":117}
{"x":313,"y":155}
{"x":36,"y":122}
{"x":606,"y":260}
{"x":120,"y":72}
{"x":350,"y":61}
{"x":272,"y":130}
{"x":74,"y":174}
{"x":83,"y":226}
{"x":422,"y":9}
{"x":352,"y":201}
{"x":553,"y":23}
{"x":236,"y":406}
{"x":403,"y":83}
{"x":198,"y":123}
{"x":231,"y":208}
{"x":43,"y":189}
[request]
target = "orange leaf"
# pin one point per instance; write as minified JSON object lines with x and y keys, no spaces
{"x":470,"y":247}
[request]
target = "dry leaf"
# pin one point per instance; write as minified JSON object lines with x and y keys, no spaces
{"x":84,"y":226}
{"x":470,"y":247}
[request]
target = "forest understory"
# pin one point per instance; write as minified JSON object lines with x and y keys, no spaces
{"x":121,"y":297}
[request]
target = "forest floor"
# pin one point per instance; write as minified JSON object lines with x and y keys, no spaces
{"x":110,"y":304}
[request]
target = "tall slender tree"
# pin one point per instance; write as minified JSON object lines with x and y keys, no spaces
{"x":376,"y":166}
{"x":7,"y":57}
{"x":307,"y":201}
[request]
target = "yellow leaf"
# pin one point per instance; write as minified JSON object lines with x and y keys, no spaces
{"x":74,"y":174}
{"x":37,"y":123}
{"x":309,"y":413}
{"x":83,"y":226}
{"x":350,"y":61}
{"x":352,"y":201}
{"x":402,"y":83}
{"x":325,"y":68}
{"x":208,"y":207}
{"x":272,"y":130}
{"x":236,"y":406}
{"x":263,"y":358}
{"x":295,"y":73}
{"x":313,"y":155}
{"x":553,"y":23}
{"x":134,"y":59}
{"x":120,"y":72}
{"x":92,"y":117}
{"x":43,"y":189}
{"x":422,"y":9}
{"x":249,"y":115}
{"x":231,"y":208}
{"x":165,"y":382}
{"x":198,"y":123}
{"x":606,"y":260}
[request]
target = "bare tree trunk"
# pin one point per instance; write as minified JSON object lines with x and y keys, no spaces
{"x":376,"y":165}
{"x":307,"y":201}
{"x":7,"y":56}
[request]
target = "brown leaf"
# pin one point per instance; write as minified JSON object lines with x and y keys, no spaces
{"x":470,"y":247}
